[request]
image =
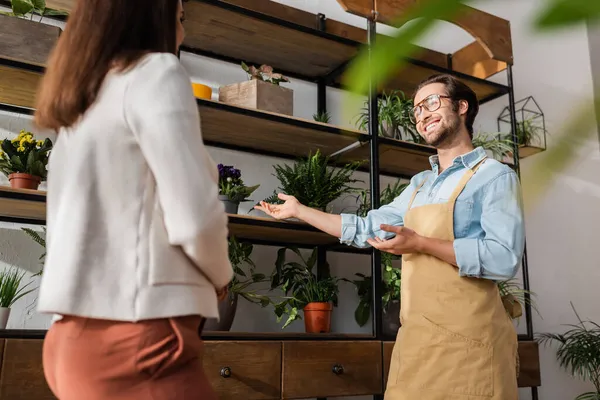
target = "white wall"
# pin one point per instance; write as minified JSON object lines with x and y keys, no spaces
{"x":555,"y":69}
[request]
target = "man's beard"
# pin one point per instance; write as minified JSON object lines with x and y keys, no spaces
{"x":446,"y":134}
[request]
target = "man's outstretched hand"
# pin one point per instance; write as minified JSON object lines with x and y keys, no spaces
{"x":406,"y":240}
{"x":289,"y":209}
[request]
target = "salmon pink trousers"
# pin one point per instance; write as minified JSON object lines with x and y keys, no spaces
{"x":91,"y":359}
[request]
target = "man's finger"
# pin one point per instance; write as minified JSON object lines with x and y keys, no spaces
{"x":391,"y":228}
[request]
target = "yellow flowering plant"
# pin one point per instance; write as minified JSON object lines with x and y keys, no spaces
{"x":26,"y":155}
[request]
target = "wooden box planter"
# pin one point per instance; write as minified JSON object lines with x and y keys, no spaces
{"x":25,"y":41}
{"x":259,"y":95}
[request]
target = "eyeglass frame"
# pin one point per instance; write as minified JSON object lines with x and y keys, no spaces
{"x":412,"y":115}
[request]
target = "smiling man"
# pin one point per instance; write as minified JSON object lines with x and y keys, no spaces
{"x":459,"y":227}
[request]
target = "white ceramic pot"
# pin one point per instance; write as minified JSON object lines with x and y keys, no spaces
{"x":4,"y":314}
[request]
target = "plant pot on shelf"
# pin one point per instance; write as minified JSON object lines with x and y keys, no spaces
{"x":24,"y":181}
{"x":259,"y":95}
{"x":317,"y":317}
{"x":391,"y":319}
{"x":231,"y":207}
{"x":227,"y":309}
{"x":4,"y":314}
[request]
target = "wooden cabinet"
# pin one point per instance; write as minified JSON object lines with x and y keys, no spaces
{"x":330,"y":369}
{"x":257,"y":370}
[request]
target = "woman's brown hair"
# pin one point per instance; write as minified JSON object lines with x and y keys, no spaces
{"x":100,"y":35}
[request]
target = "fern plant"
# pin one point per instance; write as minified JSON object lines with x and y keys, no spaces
{"x":39,"y":240}
{"x":579,"y":352}
{"x":314,"y":182}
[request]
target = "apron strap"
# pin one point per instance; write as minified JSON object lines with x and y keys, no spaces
{"x":463,"y":182}
{"x":412,"y":198}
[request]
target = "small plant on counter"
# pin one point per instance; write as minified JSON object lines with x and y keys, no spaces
{"x":514,"y":298}
{"x":10,"y":291}
{"x":314,"y":182}
{"x":232,"y":190}
{"x":264,"y":73}
{"x":304,"y":291}
{"x":24,"y":159}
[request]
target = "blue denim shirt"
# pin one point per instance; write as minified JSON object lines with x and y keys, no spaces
{"x":488,"y":215}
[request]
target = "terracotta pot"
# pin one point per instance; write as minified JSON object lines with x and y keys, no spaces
{"x":24,"y":181}
{"x":231,"y":207}
{"x":227,"y":309}
{"x":317,"y":317}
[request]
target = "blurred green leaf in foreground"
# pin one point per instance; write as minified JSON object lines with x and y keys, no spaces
{"x":388,"y":57}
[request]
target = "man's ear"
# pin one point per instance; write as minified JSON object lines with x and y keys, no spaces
{"x":463,"y":107}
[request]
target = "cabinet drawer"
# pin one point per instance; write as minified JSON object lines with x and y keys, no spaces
{"x":22,"y":376}
{"x":244,"y":370}
{"x":331,"y":368}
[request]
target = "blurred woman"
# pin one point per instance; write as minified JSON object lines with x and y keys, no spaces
{"x":137,"y":238}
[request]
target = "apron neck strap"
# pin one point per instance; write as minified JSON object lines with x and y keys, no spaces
{"x":463,"y":182}
{"x":412,"y":198}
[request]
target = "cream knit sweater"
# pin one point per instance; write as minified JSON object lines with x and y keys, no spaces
{"x":135,"y":227}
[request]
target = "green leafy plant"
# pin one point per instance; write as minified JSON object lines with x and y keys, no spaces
{"x":39,"y":240}
{"x":20,"y":8}
{"x":394,"y":117}
{"x":232,"y":185}
{"x":24,"y":154}
{"x":242,"y":281}
{"x":313,"y":182}
{"x":388,"y":194}
{"x":300,"y":285}
{"x":579,"y":352}
{"x":10,"y":287}
{"x":528,"y":132}
{"x":500,"y":144}
{"x":391,"y":280}
{"x":322,"y":116}
{"x":264,"y":73}
{"x":511,"y":292}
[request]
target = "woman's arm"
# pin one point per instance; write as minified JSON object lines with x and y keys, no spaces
{"x":163,"y":115}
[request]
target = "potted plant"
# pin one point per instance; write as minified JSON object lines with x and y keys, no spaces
{"x":579,"y":352}
{"x":23,"y":160}
{"x":232,"y":190}
{"x":514,"y":297}
{"x":240,"y":285}
{"x":315,"y":296}
{"x":394,"y":117}
{"x":313,"y":182}
{"x":10,"y":291}
{"x":500,"y":145}
{"x":261,"y":91}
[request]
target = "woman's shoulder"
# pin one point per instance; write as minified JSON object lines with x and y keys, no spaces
{"x":153,"y":64}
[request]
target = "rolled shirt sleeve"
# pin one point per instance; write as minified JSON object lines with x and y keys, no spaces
{"x":356,"y":230}
{"x":497,"y":255}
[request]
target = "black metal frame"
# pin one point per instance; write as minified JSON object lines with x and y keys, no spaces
{"x":372,"y":137}
{"x":521,"y":107}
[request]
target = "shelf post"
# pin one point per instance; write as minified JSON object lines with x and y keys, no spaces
{"x":373,"y":127}
{"x":517,"y":165}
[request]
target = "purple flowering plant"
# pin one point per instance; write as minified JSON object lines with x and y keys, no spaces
{"x":232,"y":185}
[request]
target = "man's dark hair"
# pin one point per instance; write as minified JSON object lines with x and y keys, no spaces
{"x":457,"y":91}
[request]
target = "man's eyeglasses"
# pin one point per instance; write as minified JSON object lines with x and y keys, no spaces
{"x":431,"y":103}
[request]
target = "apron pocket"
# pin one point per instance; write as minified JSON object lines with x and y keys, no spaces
{"x":434,"y":358}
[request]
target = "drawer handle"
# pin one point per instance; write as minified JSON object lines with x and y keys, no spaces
{"x":338,"y":369}
{"x":226,"y":372}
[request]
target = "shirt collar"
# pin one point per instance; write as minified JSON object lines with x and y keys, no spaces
{"x":469,"y":160}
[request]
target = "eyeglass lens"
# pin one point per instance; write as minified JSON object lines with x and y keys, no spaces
{"x":431,"y":104}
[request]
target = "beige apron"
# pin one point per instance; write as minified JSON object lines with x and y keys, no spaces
{"x":456,"y":341}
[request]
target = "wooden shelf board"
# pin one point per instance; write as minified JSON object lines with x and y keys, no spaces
{"x":18,"y":86}
{"x":269,"y":230}
{"x":21,"y":204}
{"x":224,"y":30}
{"x":526,"y":151}
{"x":245,"y":129}
{"x":283,"y":335}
